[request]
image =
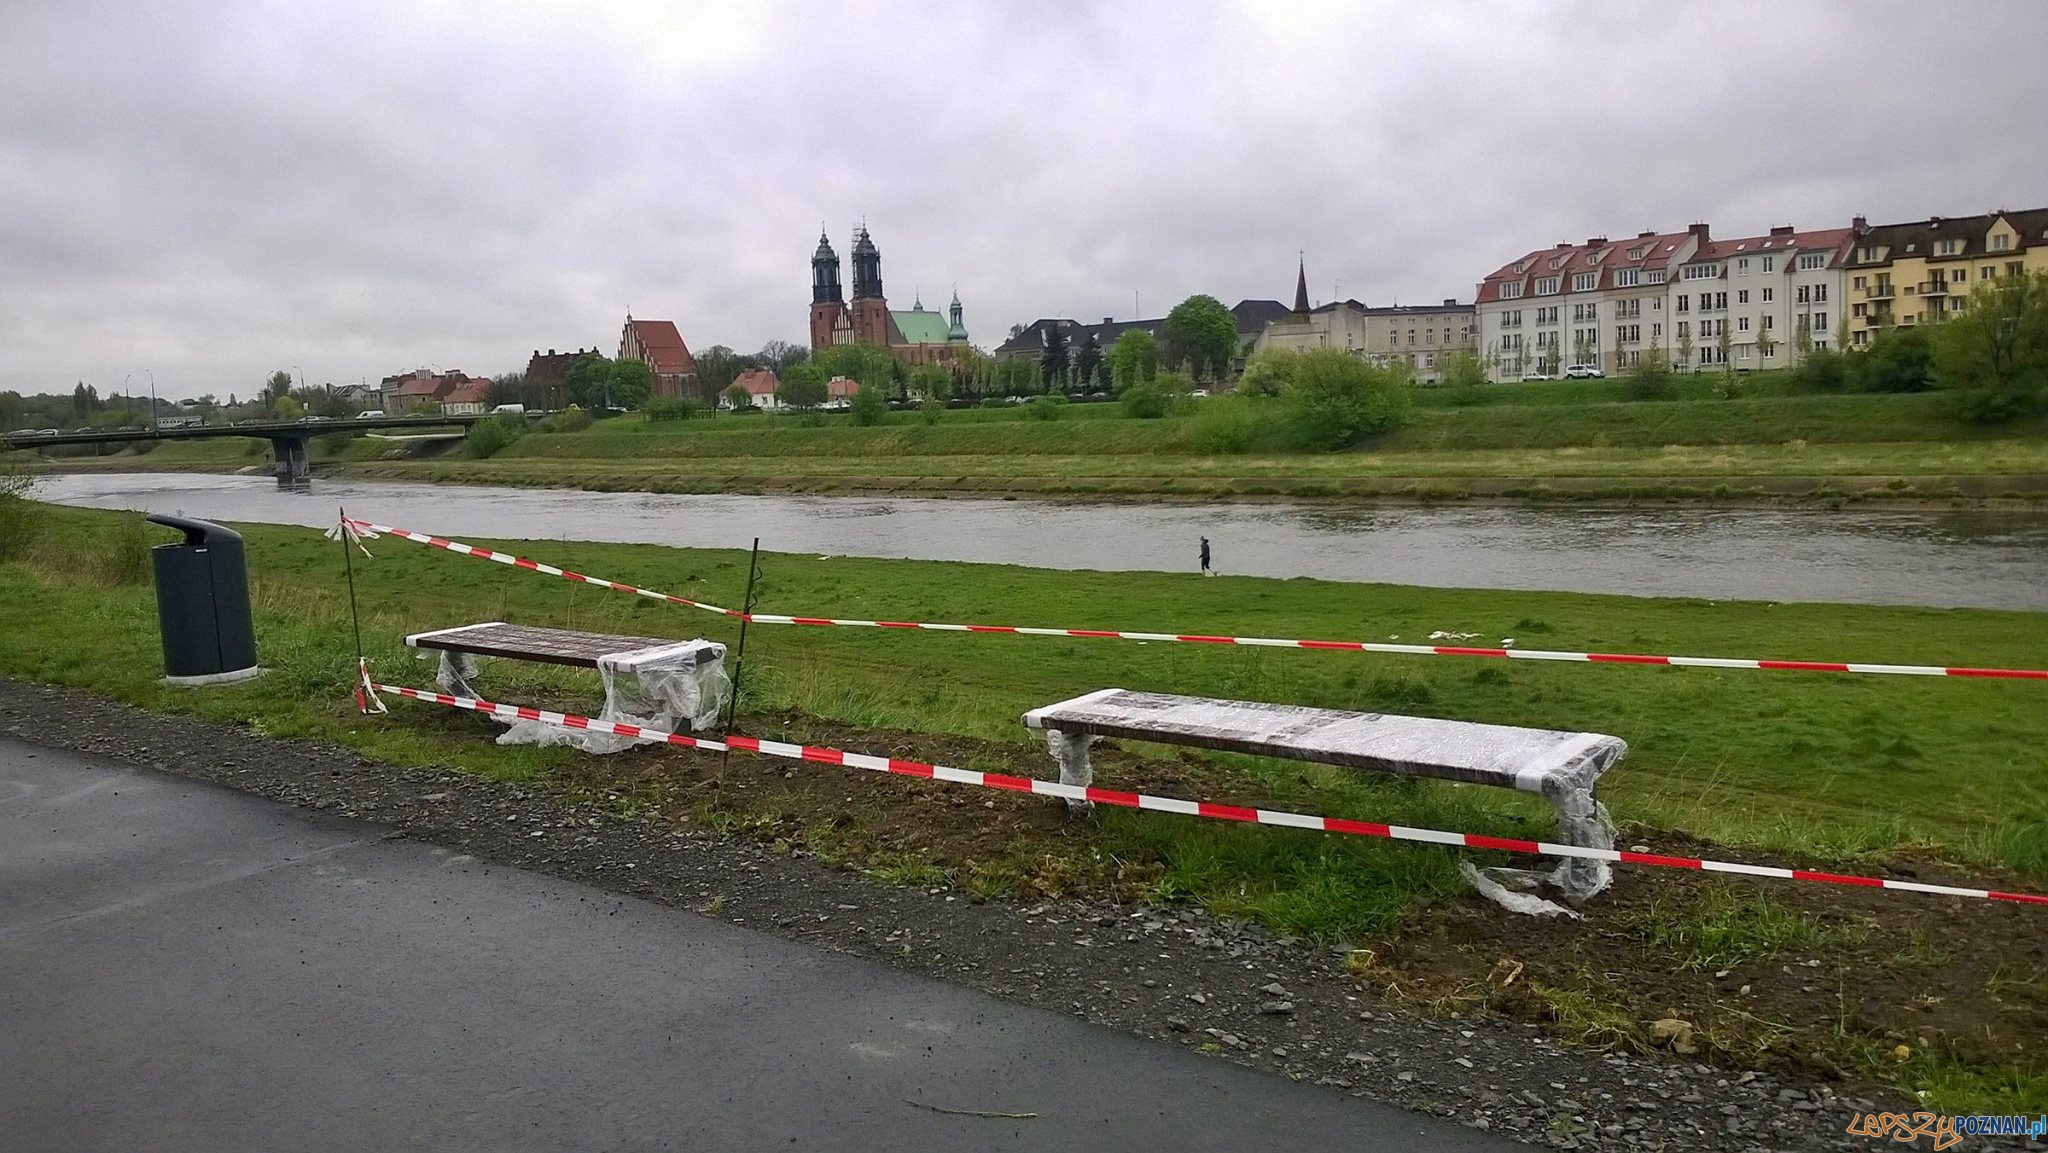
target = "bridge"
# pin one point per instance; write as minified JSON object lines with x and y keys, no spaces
{"x":287,"y":437}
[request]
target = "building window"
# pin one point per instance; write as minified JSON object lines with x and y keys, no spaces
{"x":1865,"y":254}
{"x":1683,"y":330}
{"x":1429,"y":336}
{"x":1767,"y":266}
{"x":2002,"y":242}
{"x":1986,"y":273}
{"x":1655,"y":276}
{"x":1742,"y":324}
{"x":1862,"y":282}
{"x":1858,"y":310}
{"x":1510,"y":291}
{"x":1657,"y":332}
{"x":1681,"y":302}
{"x":1701,"y":271}
{"x":1958,"y":275}
{"x":1411,"y":336}
{"x":1944,"y":248}
{"x":1806,"y":292}
{"x":1429,"y":361}
{"x":1742,"y":267}
{"x":1742,"y":296}
{"x":1627,"y":277}
{"x":1584,"y":281}
{"x":1820,"y":294}
{"x":1546,"y":286}
{"x":1767,"y":296}
{"x":1820,"y":321}
{"x":1767,"y":321}
{"x":1814,"y":260}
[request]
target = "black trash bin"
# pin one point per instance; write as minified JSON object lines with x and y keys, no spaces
{"x":202,"y":604}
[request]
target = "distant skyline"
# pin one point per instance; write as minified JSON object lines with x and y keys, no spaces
{"x":213,"y":191}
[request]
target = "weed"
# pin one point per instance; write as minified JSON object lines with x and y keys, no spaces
{"x":1724,"y":927}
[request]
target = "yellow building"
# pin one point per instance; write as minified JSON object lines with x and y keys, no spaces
{"x":1919,"y":273}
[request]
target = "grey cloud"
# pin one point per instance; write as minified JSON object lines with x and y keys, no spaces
{"x":214,"y":190}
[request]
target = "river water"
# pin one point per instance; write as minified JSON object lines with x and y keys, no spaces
{"x":1936,"y":558}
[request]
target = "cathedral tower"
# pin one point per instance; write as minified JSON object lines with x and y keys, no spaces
{"x":828,"y":307}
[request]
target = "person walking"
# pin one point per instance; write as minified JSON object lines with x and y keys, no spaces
{"x":1205,"y":558}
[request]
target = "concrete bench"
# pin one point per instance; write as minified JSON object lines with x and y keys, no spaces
{"x":654,"y":682}
{"x":1562,"y":767}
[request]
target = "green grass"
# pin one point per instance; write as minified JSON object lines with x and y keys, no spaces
{"x":1722,"y":928}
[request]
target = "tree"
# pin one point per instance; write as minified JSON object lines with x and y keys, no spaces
{"x":737,"y":397}
{"x":717,"y":367}
{"x":11,"y":408}
{"x":1685,"y":347}
{"x":1052,"y":363}
{"x":802,"y":387}
{"x":929,"y":383}
{"x":285,"y":408}
{"x":1267,"y":372}
{"x":630,"y":383}
{"x":1997,"y":349}
{"x":1650,"y":379}
{"x":1722,"y":343}
{"x":1802,"y":336}
{"x":85,"y":400}
{"x":1765,"y":345}
{"x":1133,"y":359}
{"x":1202,"y":333}
{"x":1463,"y":377}
{"x":1088,"y":359}
{"x":583,"y":384}
{"x":873,"y":367}
{"x":278,"y":385}
{"x":1336,"y":400}
{"x":779,"y":356}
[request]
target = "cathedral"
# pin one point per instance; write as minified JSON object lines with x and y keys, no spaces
{"x":919,"y":336}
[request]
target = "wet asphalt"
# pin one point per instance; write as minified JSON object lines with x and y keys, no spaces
{"x":185,"y":967}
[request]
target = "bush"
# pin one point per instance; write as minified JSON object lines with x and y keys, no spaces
{"x":1463,"y":379}
{"x":868,"y":405}
{"x":20,"y":517}
{"x":1144,"y":400}
{"x":334,"y":443}
{"x":1651,"y":378}
{"x":666,"y":408}
{"x":1899,"y":360}
{"x":994,"y":402}
{"x":1227,"y":424}
{"x":1823,"y":370}
{"x":1046,"y":407}
{"x":488,"y":437}
{"x":931,"y":410}
{"x":1336,"y":400}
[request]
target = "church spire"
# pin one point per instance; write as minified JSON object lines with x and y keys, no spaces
{"x":1301,"y":285}
{"x":956,"y":331}
{"x":824,"y":272}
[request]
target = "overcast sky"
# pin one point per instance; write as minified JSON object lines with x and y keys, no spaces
{"x":211,"y":191}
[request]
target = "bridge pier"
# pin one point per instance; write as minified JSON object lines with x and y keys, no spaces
{"x":289,"y":454}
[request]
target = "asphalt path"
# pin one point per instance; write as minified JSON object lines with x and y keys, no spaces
{"x":185,"y":967}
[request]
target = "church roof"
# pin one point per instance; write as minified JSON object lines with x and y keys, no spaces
{"x":921,"y":326}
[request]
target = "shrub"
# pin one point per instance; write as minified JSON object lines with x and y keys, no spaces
{"x":931,"y":410}
{"x":1651,"y":378}
{"x":20,"y":516}
{"x":1336,"y":400}
{"x":1821,"y":371}
{"x":1463,"y":378}
{"x":1144,"y":400}
{"x":1226,"y":424}
{"x":490,"y":436}
{"x":333,"y":443}
{"x":993,"y":402}
{"x":868,"y":405}
{"x":1046,"y":407}
{"x":1899,"y":360}
{"x":666,"y":408}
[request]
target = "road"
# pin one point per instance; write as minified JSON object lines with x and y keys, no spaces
{"x":185,"y":967}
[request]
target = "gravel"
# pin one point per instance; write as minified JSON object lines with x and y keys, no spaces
{"x":1174,"y":974}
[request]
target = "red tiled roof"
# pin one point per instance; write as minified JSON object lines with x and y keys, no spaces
{"x":1831,"y":240}
{"x":665,"y":347}
{"x":758,"y":382}
{"x":474,"y":392}
{"x":840,"y":387}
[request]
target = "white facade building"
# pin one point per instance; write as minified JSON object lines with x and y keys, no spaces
{"x":1605,"y":303}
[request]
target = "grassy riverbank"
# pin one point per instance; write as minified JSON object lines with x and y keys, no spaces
{"x":1940,"y":776}
{"x":1562,"y":441}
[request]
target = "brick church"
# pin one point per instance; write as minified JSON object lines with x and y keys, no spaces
{"x":918,"y":336}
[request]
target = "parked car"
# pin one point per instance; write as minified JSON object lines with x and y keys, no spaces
{"x":371,"y":414}
{"x":1583,"y":372}
{"x":1537,"y":376}
{"x":1199,"y":392}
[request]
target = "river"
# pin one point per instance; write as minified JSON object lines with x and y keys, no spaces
{"x":1978,"y":559}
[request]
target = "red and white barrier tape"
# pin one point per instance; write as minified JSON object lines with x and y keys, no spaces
{"x":357,"y":526}
{"x":1147,"y":801}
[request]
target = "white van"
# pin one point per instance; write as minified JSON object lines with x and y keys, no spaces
{"x":514,"y":409}
{"x":371,"y":414}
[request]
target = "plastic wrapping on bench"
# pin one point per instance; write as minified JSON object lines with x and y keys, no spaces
{"x":671,"y":687}
{"x":1563,"y":767}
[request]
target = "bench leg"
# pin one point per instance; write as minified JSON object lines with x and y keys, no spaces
{"x":1582,"y":821}
{"x":1071,"y":751}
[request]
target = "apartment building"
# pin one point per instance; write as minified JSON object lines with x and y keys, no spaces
{"x":1923,"y":271}
{"x":1755,"y":302}
{"x":1424,"y":337}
